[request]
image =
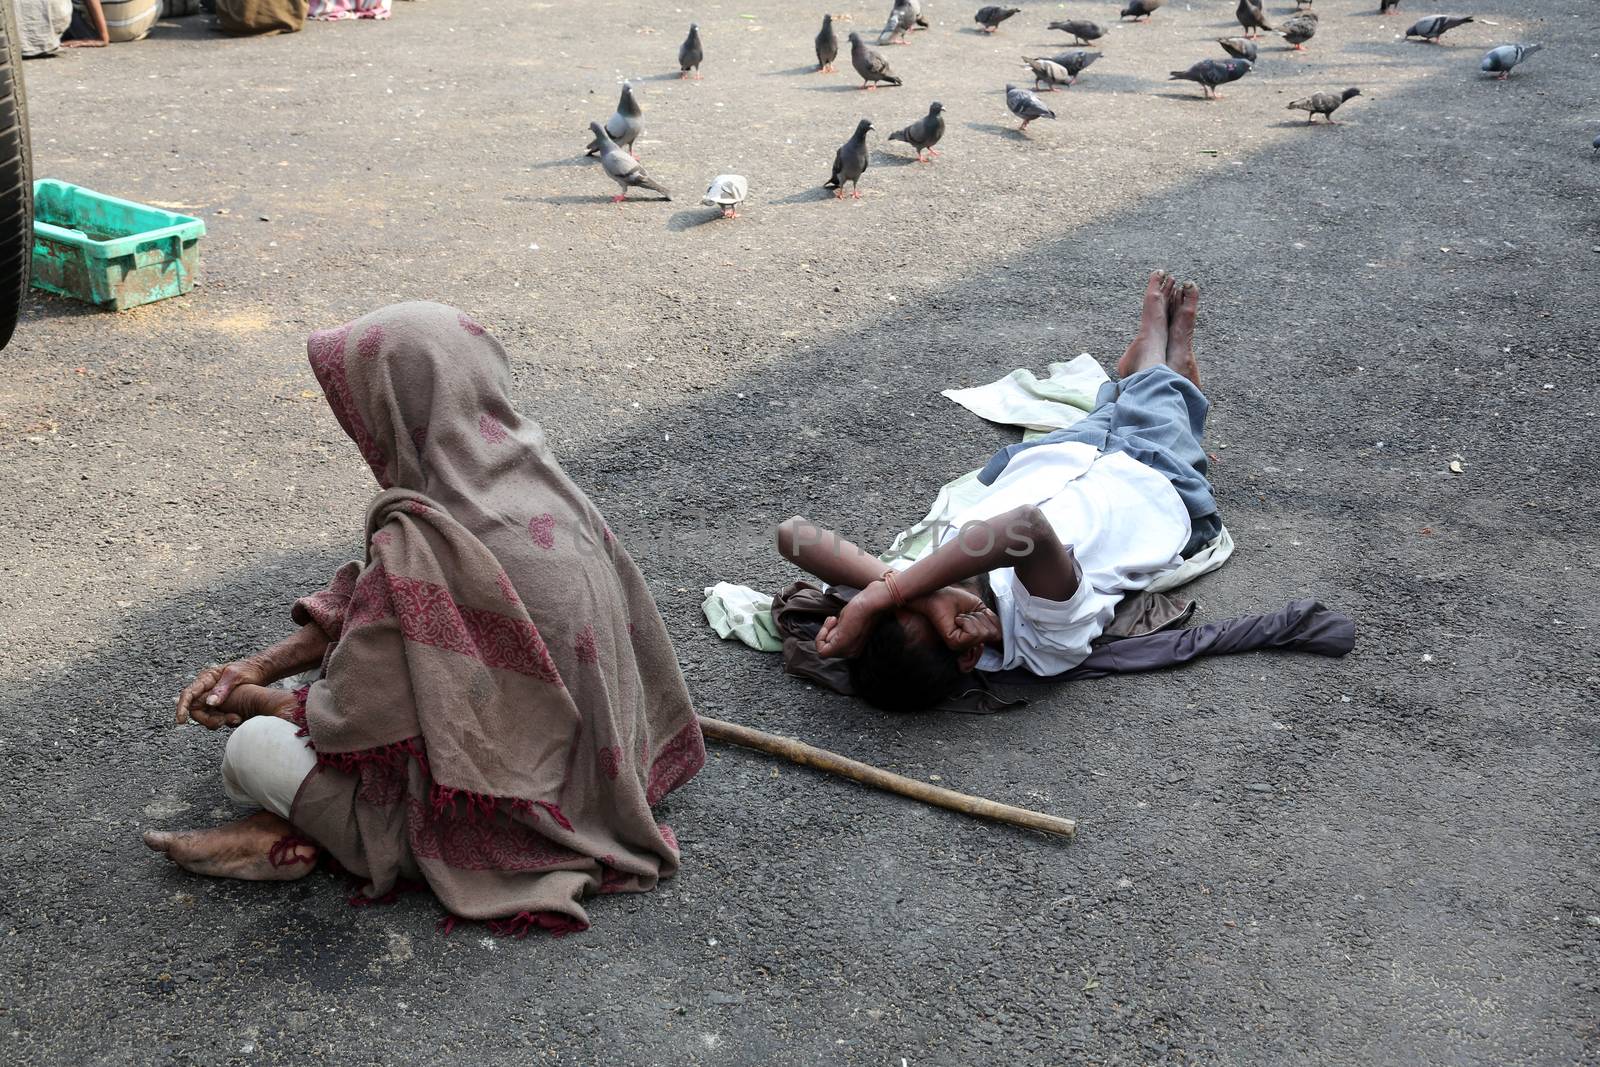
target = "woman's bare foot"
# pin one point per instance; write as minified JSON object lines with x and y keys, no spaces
{"x":1180,"y":333}
{"x":260,"y":848}
{"x":1149,"y":346}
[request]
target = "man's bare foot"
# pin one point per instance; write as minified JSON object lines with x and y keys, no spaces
{"x":260,"y":848}
{"x":1149,"y":346}
{"x":1180,"y":333}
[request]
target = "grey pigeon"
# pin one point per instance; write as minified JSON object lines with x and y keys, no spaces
{"x":625,"y":124}
{"x":990,"y":16}
{"x":850,"y":162}
{"x":1083,"y":31}
{"x":1141,"y":9}
{"x":1239,"y":47}
{"x":623,"y":168}
{"x":1252,"y":17}
{"x":1026,"y":106}
{"x":1324,"y":104}
{"x":925,"y":132}
{"x":1210,"y":73}
{"x":901,"y":18}
{"x":727,"y":191}
{"x":870,"y":64}
{"x":690,"y":53}
{"x":1298,"y":30}
{"x":1076,"y":61}
{"x":1434,"y":27}
{"x":1499,"y":61}
{"x":921,"y":21}
{"x":1047,"y":72}
{"x":827,"y":46}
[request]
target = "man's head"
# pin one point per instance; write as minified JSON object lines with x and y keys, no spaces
{"x":906,"y":666}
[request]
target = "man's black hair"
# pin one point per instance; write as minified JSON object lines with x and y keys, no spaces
{"x":895,"y":673}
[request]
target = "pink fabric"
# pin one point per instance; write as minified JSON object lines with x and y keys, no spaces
{"x":337,"y":10}
{"x":501,"y":705}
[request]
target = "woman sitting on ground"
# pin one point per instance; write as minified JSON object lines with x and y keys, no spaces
{"x":499,"y":704}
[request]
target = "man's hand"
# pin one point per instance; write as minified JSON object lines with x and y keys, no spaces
{"x":845,"y":633}
{"x":959,"y":617}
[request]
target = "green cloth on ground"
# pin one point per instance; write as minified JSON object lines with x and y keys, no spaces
{"x":740,"y":612}
{"x":1053,"y":402}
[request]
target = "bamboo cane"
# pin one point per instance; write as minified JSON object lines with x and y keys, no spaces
{"x":823,"y":760}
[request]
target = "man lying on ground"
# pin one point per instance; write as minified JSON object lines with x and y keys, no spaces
{"x":1033,"y":573}
{"x":499,"y":704}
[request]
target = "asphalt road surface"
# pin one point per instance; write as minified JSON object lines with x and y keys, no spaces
{"x":1386,"y":859}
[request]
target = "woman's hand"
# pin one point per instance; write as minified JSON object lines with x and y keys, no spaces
{"x":843,"y":635}
{"x":959,"y":617}
{"x":246,"y":702}
{"x":204,"y":697}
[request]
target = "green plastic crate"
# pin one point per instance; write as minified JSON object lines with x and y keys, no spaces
{"x":110,"y":252}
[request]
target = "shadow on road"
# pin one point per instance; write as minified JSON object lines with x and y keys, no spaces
{"x":693,"y":218}
{"x":1012,"y":133}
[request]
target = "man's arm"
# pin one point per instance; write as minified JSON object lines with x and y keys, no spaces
{"x":97,"y":22}
{"x":827,"y":555}
{"x":1022,"y":539}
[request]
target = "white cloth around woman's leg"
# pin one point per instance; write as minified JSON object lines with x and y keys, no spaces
{"x":265,"y":762}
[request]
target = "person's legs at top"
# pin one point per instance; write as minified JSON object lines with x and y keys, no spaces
{"x":1149,"y":346}
{"x":1180,"y":332}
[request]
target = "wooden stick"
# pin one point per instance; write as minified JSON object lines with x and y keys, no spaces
{"x":823,"y":760}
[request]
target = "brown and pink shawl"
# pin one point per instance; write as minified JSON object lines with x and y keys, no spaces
{"x":501,"y":705}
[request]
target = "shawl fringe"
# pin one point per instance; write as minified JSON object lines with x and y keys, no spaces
{"x":285,"y":851}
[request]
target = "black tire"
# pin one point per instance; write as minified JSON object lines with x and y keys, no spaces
{"x":16,"y":179}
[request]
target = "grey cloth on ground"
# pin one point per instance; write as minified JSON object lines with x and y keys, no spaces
{"x":1299,"y":626}
{"x":1156,"y":416}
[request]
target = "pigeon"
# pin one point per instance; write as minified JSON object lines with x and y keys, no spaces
{"x":921,"y":21}
{"x":690,"y":53}
{"x":850,"y":162}
{"x":925,"y":132}
{"x":1210,"y":73}
{"x":1322,"y":104}
{"x":1298,"y":30}
{"x":623,"y":168}
{"x":1500,"y":60}
{"x":1140,"y":9}
{"x":903,"y":19}
{"x":1026,"y":106}
{"x":1076,"y":61}
{"x":1434,"y":27}
{"x":1239,"y":47}
{"x":1083,"y":31}
{"x":991,"y":16}
{"x":1048,"y":72}
{"x":1252,"y":17}
{"x":869,"y":63}
{"x":727,"y":191}
{"x":827,"y":46}
{"x":624,"y":126}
